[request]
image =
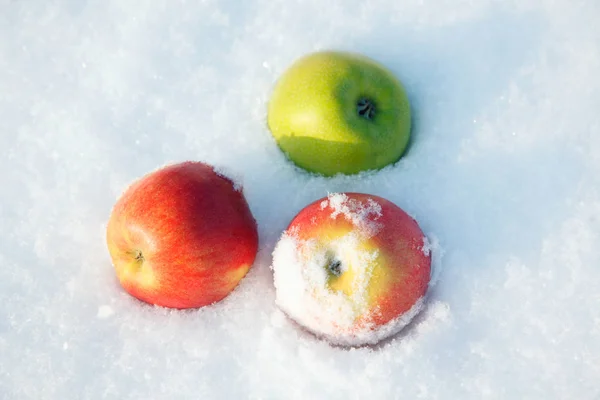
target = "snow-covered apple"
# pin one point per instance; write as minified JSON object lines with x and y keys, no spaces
{"x":337,"y":112}
{"x":182,"y":236}
{"x":352,"y":268}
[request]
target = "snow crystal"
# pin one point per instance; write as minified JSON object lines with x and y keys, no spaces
{"x":105,"y":312}
{"x":427,"y":246}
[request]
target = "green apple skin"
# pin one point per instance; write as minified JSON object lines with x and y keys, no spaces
{"x":313,"y":114}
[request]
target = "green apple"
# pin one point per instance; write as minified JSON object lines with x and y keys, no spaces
{"x":336,"y":112}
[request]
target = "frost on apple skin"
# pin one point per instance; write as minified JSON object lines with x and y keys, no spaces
{"x":301,"y":285}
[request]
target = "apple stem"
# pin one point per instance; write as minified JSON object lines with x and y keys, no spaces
{"x":366,"y":108}
{"x":139,"y":256}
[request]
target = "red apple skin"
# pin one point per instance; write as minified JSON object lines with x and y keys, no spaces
{"x":400,"y":241}
{"x":182,"y":237}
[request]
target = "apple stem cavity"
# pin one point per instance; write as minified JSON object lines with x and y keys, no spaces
{"x":366,"y":108}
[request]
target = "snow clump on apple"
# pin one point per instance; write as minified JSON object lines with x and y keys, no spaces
{"x":234,"y":177}
{"x":363,"y":216}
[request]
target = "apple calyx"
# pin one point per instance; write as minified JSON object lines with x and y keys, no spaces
{"x":334,"y":266}
{"x":366,"y":108}
{"x":138,"y":256}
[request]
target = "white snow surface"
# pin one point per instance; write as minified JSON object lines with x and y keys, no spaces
{"x":502,"y":170}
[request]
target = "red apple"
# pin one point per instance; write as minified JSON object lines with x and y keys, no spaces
{"x":352,"y":268}
{"x":182,"y":236}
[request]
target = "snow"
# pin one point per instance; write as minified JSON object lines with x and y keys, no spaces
{"x":231,"y":175}
{"x":502,"y":170}
{"x":364,"y":217}
{"x":301,"y":281}
{"x":105,"y":311}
